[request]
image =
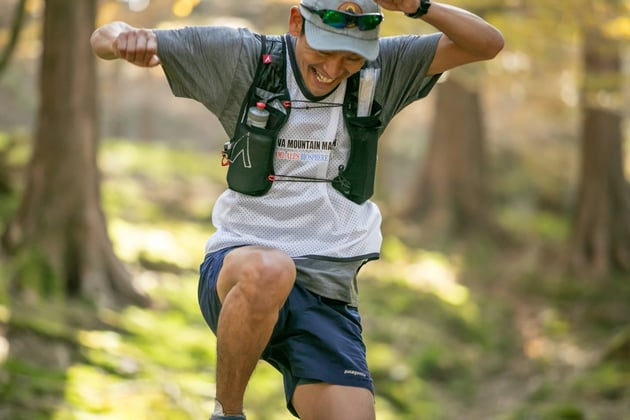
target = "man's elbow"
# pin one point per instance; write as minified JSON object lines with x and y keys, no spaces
{"x":493,"y":45}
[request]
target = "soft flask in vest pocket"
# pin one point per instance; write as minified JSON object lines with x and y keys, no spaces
{"x":250,"y":153}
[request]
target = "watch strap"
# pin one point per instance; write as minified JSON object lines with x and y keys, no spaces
{"x":423,"y":9}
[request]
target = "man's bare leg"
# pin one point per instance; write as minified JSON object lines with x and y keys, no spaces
{"x":333,"y":402}
{"x":253,"y":285}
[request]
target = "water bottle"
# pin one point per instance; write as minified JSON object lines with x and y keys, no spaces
{"x":257,"y":116}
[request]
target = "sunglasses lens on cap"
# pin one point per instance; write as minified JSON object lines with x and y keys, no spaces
{"x":333,"y":18}
{"x":368,"y":22}
{"x":341,"y":20}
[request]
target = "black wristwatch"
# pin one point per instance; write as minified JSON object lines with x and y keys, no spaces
{"x":423,"y":8}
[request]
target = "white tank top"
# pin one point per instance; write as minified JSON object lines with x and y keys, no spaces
{"x":303,"y":218}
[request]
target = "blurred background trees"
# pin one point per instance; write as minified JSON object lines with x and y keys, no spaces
{"x":60,"y":225}
{"x":515,"y":172}
{"x":601,"y":231}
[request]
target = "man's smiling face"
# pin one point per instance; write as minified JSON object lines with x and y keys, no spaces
{"x":322,"y":71}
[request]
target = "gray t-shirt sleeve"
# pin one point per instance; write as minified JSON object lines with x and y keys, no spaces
{"x":212,"y":65}
{"x":404,"y":62}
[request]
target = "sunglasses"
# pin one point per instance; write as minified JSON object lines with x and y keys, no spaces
{"x":341,"y":20}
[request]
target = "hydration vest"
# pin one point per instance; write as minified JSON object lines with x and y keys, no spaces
{"x":250,"y":152}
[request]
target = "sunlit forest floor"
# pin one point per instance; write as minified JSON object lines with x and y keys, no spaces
{"x":464,"y":330}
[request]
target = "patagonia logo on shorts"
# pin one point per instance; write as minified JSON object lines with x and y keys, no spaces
{"x":354,"y":373}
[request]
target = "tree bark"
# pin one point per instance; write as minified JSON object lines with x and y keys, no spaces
{"x":451,"y":194}
{"x":60,"y":220}
{"x":601,"y":228}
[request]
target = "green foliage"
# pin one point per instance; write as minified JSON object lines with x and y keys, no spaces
{"x":535,"y":224}
{"x":565,"y":411}
{"x":590,"y":395}
{"x":13,"y":154}
{"x":158,"y":162}
{"x":29,"y":391}
{"x":152,"y":181}
{"x":158,"y":200}
{"x":16,"y":145}
{"x":29,"y":272}
{"x":449,"y":329}
{"x":609,"y":380}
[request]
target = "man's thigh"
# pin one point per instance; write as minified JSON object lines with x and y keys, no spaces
{"x":333,"y":402}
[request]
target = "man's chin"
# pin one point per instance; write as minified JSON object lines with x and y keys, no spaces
{"x":317,"y":88}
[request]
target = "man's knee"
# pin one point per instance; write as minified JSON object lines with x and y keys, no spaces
{"x":264,"y":276}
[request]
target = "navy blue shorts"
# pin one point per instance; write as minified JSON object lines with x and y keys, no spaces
{"x":315,"y":339}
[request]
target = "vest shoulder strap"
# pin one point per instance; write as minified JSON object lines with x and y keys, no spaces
{"x":272,"y":68}
{"x":269,"y":83}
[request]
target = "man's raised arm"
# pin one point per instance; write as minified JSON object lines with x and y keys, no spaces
{"x":466,"y":37}
{"x":120,"y":40}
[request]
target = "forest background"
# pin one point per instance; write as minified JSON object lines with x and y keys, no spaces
{"x":504,"y":282}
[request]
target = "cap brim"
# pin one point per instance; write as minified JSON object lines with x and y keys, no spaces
{"x":321,"y":39}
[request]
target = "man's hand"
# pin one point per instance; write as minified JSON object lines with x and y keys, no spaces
{"x":120,"y":40}
{"x":138,"y":46}
{"x":405,"y":6}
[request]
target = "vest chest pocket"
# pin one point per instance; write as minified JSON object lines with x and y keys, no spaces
{"x":250,"y":156}
{"x":356,"y":179}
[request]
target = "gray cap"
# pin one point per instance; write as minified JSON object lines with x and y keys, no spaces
{"x":321,"y":36}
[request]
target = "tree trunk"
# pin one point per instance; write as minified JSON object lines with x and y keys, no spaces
{"x":60,"y":223}
{"x":451,"y":194}
{"x":601,"y":229}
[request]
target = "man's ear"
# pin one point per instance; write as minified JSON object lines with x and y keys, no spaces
{"x":295,"y":21}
